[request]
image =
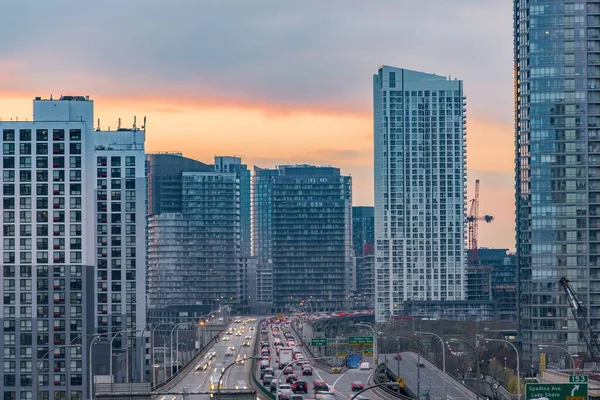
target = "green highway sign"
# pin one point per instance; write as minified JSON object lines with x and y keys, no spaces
{"x":319,"y":342}
{"x":578,"y":379}
{"x":556,"y":391}
{"x":360,"y":341}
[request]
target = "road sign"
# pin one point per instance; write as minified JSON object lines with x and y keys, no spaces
{"x":342,"y":353}
{"x":319,"y":342}
{"x":556,"y":391}
{"x":368,"y":351}
{"x":578,"y":378}
{"x":360,"y":341}
{"x":400,"y":381}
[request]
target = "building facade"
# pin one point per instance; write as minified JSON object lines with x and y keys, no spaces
{"x":557,"y":169}
{"x":194,"y":249}
{"x":69,"y":235}
{"x":363,"y":244}
{"x":503,"y":280}
{"x":307,"y":234}
{"x":419,"y":132}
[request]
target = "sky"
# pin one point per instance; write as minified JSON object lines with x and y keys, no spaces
{"x":274,"y":82}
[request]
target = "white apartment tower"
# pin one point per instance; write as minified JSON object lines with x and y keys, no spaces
{"x":73,"y":209}
{"x":420,"y":170}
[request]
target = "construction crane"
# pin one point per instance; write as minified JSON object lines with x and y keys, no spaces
{"x":472,"y":220}
{"x":580,"y":314}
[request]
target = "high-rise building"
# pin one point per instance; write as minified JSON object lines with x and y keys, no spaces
{"x":419,"y":122}
{"x":194,"y":245}
{"x":363,"y":241}
{"x":557,"y":168}
{"x":74,"y":201}
{"x":302,"y":228}
{"x":503,"y":280}
{"x":234,"y":165}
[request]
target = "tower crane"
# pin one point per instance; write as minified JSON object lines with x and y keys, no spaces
{"x":472,"y":220}
{"x":580,"y":314}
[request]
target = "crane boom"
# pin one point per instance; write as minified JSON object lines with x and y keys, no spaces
{"x":580,"y":314}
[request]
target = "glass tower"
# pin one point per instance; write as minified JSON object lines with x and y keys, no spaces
{"x":557,"y":146}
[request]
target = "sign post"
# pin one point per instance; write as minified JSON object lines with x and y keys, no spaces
{"x":576,"y":389}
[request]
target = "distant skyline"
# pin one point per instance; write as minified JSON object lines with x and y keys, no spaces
{"x":271,"y":82}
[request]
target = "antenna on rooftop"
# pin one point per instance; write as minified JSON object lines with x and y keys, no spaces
{"x":98,"y":128}
{"x":144,"y":126}
{"x":134,"y":122}
{"x":119,"y":127}
{"x":50,"y":97}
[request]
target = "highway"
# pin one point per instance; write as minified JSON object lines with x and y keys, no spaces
{"x":431,"y":379}
{"x":199,"y":381}
{"x":340,"y":384}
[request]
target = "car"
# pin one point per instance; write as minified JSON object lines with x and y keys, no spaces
{"x":246,"y":344}
{"x":219,"y":368}
{"x":364,"y":366}
{"x":285,"y":387}
{"x":241,"y":385}
{"x":291,"y":378}
{"x":397,"y":356}
{"x":273,"y":386}
{"x":229,"y":353}
{"x":300,"y":361}
{"x":300,"y":386}
{"x":288,"y":370}
{"x":421,"y":365}
{"x":220,"y":319}
{"x":238,"y":333}
{"x":214,"y":381}
{"x":267,"y":379}
{"x":252,"y":329}
{"x":226,"y":338}
{"x":266,"y":371}
{"x":324,"y":396}
{"x":357,"y":385}
{"x":307,"y":371}
{"x":320,"y":386}
{"x":248,"y":337}
{"x":240,"y":360}
{"x":264,"y":364}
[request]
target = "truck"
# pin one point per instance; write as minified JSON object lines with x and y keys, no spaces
{"x":286,"y":356}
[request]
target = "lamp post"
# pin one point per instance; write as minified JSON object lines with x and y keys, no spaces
{"x":443,"y":358}
{"x":487,"y":340}
{"x":476,"y":360}
{"x":287,"y":365}
{"x":229,"y":366}
{"x":177,"y":345}
{"x":39,"y":361}
{"x":110,"y":363}
{"x":171,"y":357}
{"x":143,"y":358}
{"x":373,"y":328}
{"x":91,"y":383}
{"x":549,"y":346}
{"x":418,"y":361}
{"x":397,"y":339}
{"x":164,"y":355}
{"x":369,"y":388}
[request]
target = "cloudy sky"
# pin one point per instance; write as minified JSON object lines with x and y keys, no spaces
{"x":271,"y":81}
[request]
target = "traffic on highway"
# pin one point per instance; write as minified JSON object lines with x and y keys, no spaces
{"x":235,"y":346}
{"x":285,"y":360}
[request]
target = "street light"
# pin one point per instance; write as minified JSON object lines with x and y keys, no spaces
{"x":171,"y":357}
{"x":229,"y":366}
{"x":476,"y":360}
{"x":487,"y":340}
{"x":373,"y":328}
{"x":385,"y":384}
{"x":549,"y":346}
{"x":91,"y":383}
{"x":418,"y":361}
{"x":397,"y":339}
{"x":443,"y":358}
{"x":110,"y":368}
{"x":164,"y":355}
{"x":287,"y":365}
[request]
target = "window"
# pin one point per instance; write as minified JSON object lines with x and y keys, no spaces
{"x":58,"y":135}
{"x":41,"y":162}
{"x":8,"y":135}
{"x":25,"y":190}
{"x":41,"y":135}
{"x":25,"y":162}
{"x":25,"y":135}
{"x":8,"y":176}
{"x":130,"y":161}
{"x":25,"y":176}
{"x":41,"y":148}
{"x":75,"y":148}
{"x":115,"y":161}
{"x":8,"y":162}
{"x":74,"y":162}
{"x":75,"y":134}
{"x":8,"y":149}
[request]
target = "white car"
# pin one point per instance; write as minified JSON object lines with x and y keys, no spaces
{"x":364,"y":366}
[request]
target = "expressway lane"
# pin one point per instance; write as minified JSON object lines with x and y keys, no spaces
{"x":427,"y":378}
{"x":200,"y":381}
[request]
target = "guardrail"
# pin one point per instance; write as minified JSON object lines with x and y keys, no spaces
{"x":176,"y":375}
{"x":383,"y":372}
{"x":255,"y":381}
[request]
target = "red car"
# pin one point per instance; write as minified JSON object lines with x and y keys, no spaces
{"x":288,"y":370}
{"x":291,"y":378}
{"x":357,"y":385}
{"x":397,"y":356}
{"x":306,"y":371}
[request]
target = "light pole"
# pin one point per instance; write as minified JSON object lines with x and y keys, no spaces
{"x":443,"y":358}
{"x":229,"y":366}
{"x":164,"y":355}
{"x":39,"y":361}
{"x":372,"y":387}
{"x":143,"y":356}
{"x":487,"y":340}
{"x":91,"y":383}
{"x":418,"y":362}
{"x":549,"y":346}
{"x":287,"y":365}
{"x":373,"y":328}
{"x":177,"y":345}
{"x":476,"y":359}
{"x":397,"y":339}
{"x":171,"y":358}
{"x":110,"y":363}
